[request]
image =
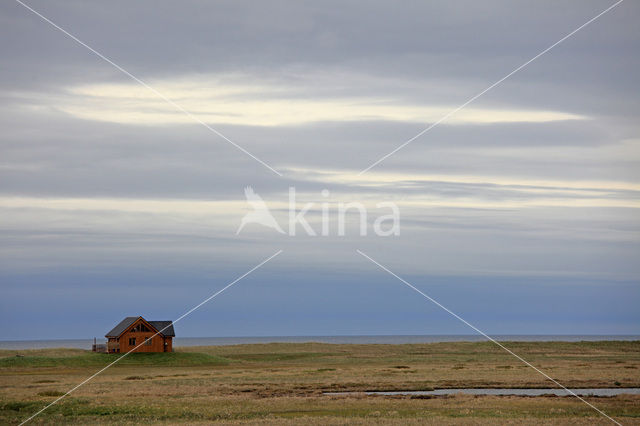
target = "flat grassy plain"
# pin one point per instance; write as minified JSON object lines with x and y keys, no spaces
{"x":283,"y":383}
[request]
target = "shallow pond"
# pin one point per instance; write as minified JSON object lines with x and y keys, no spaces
{"x":493,"y":391}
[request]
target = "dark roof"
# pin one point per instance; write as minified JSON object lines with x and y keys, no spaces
{"x":160,"y":325}
{"x":122,"y":326}
{"x":128,"y":321}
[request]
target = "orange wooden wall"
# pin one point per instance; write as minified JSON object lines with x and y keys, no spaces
{"x":157,"y":342}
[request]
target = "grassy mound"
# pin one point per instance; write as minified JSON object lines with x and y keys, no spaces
{"x":90,"y":359}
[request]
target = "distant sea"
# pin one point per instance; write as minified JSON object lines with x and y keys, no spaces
{"x":221,"y":341}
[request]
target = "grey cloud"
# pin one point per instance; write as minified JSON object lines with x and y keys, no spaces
{"x":412,"y":52}
{"x":473,"y":45}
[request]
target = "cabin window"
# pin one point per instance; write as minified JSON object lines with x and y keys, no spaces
{"x":132,"y":341}
{"x":140,"y":327}
{"x":147,"y":341}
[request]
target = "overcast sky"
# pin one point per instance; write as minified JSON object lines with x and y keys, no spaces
{"x":519,"y":212}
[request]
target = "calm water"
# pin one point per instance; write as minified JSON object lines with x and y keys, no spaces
{"x":219,"y":341}
{"x":491,"y":391}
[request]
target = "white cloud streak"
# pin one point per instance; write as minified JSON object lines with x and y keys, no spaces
{"x":265,"y":103}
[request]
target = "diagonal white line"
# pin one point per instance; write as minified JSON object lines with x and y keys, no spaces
{"x":488,"y":337}
{"x":175,"y":321}
{"x":160,"y":95}
{"x":453,"y":111}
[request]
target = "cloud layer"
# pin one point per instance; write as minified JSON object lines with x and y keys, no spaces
{"x":532,"y":190}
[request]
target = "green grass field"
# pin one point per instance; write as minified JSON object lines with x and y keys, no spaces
{"x":284,"y":384}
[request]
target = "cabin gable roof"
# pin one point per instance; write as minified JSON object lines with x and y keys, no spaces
{"x":156,"y":325}
{"x":121,"y":327}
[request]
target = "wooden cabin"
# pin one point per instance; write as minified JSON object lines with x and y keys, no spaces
{"x":143,"y":335}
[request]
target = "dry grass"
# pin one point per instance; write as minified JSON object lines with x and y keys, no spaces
{"x":283,"y":383}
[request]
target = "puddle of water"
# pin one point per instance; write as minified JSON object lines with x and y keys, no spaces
{"x":492,"y":391}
